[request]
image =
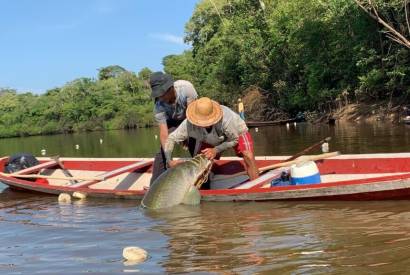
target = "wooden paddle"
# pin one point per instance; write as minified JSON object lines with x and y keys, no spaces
{"x":282,"y":164}
{"x":303,"y":152}
{"x":65,"y":171}
{"x":310,"y":148}
{"x":298,"y":160}
{"x":50,"y":177}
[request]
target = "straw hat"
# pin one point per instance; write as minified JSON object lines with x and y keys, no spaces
{"x":204,"y":112}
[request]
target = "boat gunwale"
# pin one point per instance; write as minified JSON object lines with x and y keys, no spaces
{"x":276,"y":189}
{"x":341,"y":157}
{"x":231,"y":194}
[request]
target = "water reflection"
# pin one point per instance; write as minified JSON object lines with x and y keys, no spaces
{"x":349,"y":138}
{"x":277,"y":140}
{"x":285,"y":237}
{"x":231,"y":237}
{"x":40,"y":235}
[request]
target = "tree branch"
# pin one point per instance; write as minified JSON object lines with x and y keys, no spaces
{"x":406,"y":2}
{"x":373,"y":13}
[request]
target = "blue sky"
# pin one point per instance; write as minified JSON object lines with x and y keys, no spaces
{"x":46,"y":43}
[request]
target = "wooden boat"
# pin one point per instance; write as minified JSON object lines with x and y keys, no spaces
{"x":253,"y":124}
{"x":299,"y":118}
{"x":345,"y":177}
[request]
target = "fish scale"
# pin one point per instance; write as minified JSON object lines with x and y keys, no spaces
{"x":175,"y":184}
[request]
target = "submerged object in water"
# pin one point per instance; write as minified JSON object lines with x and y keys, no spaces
{"x":64,"y":198}
{"x":179,"y":184}
{"x":134,"y":254}
{"x":79,"y":195}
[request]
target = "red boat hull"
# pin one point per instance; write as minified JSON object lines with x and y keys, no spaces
{"x":347,"y":177}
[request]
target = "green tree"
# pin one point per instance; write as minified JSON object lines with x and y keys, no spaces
{"x":112,"y":71}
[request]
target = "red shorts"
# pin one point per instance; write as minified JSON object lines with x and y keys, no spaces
{"x":245,"y":143}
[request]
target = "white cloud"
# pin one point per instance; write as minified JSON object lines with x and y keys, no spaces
{"x":62,"y":26}
{"x":167,"y":37}
{"x":104,"y":7}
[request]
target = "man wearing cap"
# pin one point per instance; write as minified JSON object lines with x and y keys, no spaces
{"x":171,"y":101}
{"x":215,"y":128}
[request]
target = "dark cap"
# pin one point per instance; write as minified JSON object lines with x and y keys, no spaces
{"x":160,"y":83}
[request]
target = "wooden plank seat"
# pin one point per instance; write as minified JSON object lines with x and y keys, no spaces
{"x":36,"y":168}
{"x":241,"y":181}
{"x":325,"y":178}
{"x":113,"y":173}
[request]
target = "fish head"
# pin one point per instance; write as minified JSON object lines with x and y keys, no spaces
{"x":203,"y":165}
{"x":178,"y":184}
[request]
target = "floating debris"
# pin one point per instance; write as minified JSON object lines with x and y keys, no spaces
{"x":43,"y":152}
{"x":77,"y":146}
{"x":101,"y":141}
{"x":134,"y":255}
{"x":79,"y":195}
{"x":64,"y":197}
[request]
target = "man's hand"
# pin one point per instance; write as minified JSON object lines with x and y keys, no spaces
{"x":210,"y":153}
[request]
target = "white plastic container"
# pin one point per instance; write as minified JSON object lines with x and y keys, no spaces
{"x":325,"y":147}
{"x":304,"y":173}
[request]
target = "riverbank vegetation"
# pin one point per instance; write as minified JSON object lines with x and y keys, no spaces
{"x":118,"y":99}
{"x":299,"y":55}
{"x":303,"y":55}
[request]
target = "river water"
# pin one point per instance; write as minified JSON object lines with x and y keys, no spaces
{"x":38,"y":235}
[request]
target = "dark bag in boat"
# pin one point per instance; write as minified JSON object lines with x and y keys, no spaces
{"x":19,"y":162}
{"x":283,"y":180}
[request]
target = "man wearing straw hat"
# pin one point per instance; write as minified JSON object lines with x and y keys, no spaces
{"x":171,"y":100}
{"x":215,"y":128}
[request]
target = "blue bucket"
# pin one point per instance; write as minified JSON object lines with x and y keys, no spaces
{"x":304,"y":173}
{"x":306,"y":180}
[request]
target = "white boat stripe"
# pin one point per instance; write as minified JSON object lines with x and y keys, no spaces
{"x":245,"y":142}
{"x":248,"y":144}
{"x":108,"y":174}
{"x":347,"y":156}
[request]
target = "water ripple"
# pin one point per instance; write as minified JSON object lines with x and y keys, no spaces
{"x":39,"y":235}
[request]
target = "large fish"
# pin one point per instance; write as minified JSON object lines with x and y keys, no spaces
{"x":179,"y":184}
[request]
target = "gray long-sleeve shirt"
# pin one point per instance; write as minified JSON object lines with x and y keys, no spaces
{"x":223,"y":134}
{"x":185,"y":94}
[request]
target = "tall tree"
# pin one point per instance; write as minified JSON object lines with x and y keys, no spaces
{"x":112,"y":71}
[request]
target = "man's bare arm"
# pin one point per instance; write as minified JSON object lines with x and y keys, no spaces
{"x":163,"y":133}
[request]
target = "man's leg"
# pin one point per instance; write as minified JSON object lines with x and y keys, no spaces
{"x":244,"y":149}
{"x":159,"y":165}
{"x":250,"y":164}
